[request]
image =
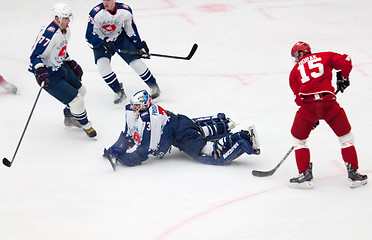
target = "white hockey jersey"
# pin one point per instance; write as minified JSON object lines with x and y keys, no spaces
{"x":102,"y":24}
{"x":147,"y":129}
{"x":50,"y":47}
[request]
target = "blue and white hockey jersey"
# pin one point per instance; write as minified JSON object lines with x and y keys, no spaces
{"x":50,"y":48}
{"x":102,"y":24}
{"x":151,"y":132}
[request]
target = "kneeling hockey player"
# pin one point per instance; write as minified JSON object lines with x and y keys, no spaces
{"x":152,"y":130}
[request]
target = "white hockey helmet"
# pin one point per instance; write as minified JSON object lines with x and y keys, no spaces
{"x":62,"y":10}
{"x":140,"y":101}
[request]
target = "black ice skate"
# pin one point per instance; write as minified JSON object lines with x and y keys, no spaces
{"x":356,"y":179}
{"x":304,"y":180}
{"x":154,"y":91}
{"x":120,"y":96}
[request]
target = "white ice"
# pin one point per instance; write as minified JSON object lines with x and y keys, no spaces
{"x":60,"y":186}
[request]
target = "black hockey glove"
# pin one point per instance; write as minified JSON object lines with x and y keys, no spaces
{"x":42,"y":76}
{"x":342,"y":83}
{"x":316,"y":124}
{"x":143,"y":49}
{"x":75,"y":67}
{"x":109,"y":46}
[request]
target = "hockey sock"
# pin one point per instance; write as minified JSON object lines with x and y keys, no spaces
{"x":142,"y":70}
{"x":302,"y":159}
{"x":348,"y":150}
{"x":349,"y":155}
{"x":105,"y":70}
{"x":112,"y":81}
{"x":78,"y":111}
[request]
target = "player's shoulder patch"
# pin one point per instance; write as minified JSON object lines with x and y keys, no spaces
{"x":97,"y":8}
{"x":125,"y":7}
{"x":51,"y":29}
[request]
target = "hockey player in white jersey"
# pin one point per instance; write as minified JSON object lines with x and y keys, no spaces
{"x":56,"y":72}
{"x":150,"y":129}
{"x":111,"y":27}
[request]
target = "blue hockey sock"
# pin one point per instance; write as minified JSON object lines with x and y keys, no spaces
{"x":82,"y":117}
{"x":112,"y":81}
{"x":148,"y":78}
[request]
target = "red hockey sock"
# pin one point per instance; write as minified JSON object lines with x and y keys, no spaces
{"x":302,"y":159}
{"x":349,"y":155}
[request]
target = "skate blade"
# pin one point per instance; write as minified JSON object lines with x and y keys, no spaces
{"x":356,"y":184}
{"x":304,"y":185}
{"x":72,"y":127}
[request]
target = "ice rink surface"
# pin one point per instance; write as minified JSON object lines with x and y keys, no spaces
{"x":60,"y":186}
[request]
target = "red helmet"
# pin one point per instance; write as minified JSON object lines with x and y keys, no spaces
{"x":300,"y":46}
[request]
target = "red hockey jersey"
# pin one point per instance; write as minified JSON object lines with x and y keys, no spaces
{"x":313,"y":73}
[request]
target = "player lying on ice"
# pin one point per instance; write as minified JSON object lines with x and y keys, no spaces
{"x":152,"y":130}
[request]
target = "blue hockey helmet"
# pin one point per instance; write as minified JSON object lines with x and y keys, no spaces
{"x":140,"y":101}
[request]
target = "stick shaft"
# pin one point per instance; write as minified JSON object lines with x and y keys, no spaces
{"x":25,"y":128}
{"x":188,"y":57}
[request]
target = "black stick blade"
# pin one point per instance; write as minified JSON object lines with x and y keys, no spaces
{"x":257,"y":173}
{"x":6,"y":162}
{"x":192,"y":52}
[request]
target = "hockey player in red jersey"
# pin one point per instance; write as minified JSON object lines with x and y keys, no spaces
{"x":310,"y":81}
{"x":7,"y":85}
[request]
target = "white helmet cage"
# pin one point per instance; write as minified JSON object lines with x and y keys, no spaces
{"x":62,"y":10}
{"x":141,"y":98}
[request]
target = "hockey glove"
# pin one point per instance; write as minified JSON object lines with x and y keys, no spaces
{"x":109,"y":46}
{"x":75,"y":67}
{"x":316,"y":124}
{"x":143,"y":49}
{"x":42,"y":76}
{"x":342,"y":83}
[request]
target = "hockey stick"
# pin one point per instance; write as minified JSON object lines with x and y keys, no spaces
{"x":6,"y":162}
{"x":257,"y":173}
{"x":188,"y":57}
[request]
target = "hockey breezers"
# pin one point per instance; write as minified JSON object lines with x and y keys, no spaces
{"x":6,"y":162}
{"x":257,"y":173}
{"x":188,"y":57}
